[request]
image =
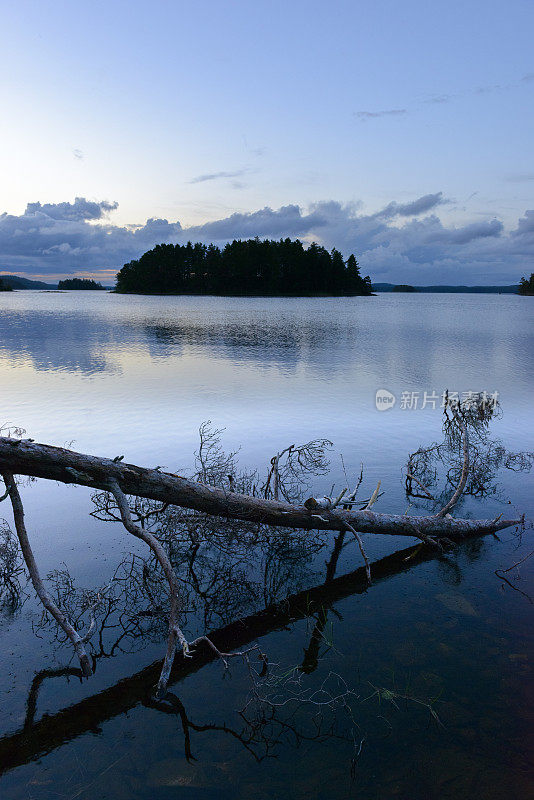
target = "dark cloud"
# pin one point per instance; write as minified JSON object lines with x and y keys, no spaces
{"x":79,"y":210}
{"x":403,"y":243}
{"x":419,"y":206}
{"x":525,"y":226}
{"x":392,"y":112}
{"x":214,"y":176}
{"x":286,"y":221}
{"x":54,"y":238}
{"x":467,"y":233}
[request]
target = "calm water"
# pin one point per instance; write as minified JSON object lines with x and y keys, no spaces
{"x":136,"y":376}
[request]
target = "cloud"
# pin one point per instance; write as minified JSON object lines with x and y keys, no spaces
{"x":214,"y":176}
{"x":525,"y":226}
{"x":392,"y":112}
{"x":286,"y":221}
{"x":79,"y":210}
{"x":53,"y":238}
{"x":402,"y":243}
{"x":492,"y":87}
{"x":520,"y":177}
{"x":443,"y":98}
{"x":419,"y":206}
{"x":467,"y":233}
{"x":440,"y":98}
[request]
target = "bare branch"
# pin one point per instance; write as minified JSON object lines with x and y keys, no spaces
{"x":465,"y":466}
{"x":175,"y":636}
{"x":46,"y":600}
{"x":24,"y":457}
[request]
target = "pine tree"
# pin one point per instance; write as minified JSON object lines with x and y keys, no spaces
{"x":526,"y":286}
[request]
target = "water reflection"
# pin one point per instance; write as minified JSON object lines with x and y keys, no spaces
{"x":245,"y":582}
{"x":137,"y":376}
{"x":76,"y":332}
{"x":53,"y":730}
{"x":74,"y":342}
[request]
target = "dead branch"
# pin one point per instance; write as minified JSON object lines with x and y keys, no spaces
{"x":67,"y":466}
{"x":175,"y":636}
{"x":286,"y":476}
{"x":410,"y":477}
{"x":11,"y":569}
{"x":465,"y":466}
{"x":44,"y":597}
{"x":501,"y":574}
{"x":53,"y":730}
{"x":153,"y":491}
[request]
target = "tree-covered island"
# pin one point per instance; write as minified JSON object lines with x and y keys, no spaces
{"x":79,"y":283}
{"x":244,"y":268}
{"x":4,"y":287}
{"x":404,"y":287}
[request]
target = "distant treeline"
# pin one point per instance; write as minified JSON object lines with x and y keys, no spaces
{"x":4,"y":287}
{"x":526,"y":285}
{"x":243,"y":267}
{"x":79,"y":283}
{"x":391,"y":287}
{"x":404,"y":287}
{"x":16,"y":282}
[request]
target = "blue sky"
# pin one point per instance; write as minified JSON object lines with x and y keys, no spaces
{"x":219,"y":119}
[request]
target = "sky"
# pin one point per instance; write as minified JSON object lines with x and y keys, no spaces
{"x":400,"y":132}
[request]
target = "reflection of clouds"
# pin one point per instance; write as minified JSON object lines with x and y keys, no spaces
{"x":58,"y":342}
{"x":399,"y":343}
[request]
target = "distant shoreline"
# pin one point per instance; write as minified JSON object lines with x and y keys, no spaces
{"x":234,"y":294}
{"x":376,"y":289}
{"x":436,"y":289}
{"x":18,"y":283}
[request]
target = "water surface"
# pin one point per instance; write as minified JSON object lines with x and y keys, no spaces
{"x":136,"y":376}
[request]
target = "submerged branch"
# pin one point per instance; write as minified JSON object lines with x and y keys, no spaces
{"x":51,"y":731}
{"x":38,"y":585}
{"x":175,"y":635}
{"x":117,"y":480}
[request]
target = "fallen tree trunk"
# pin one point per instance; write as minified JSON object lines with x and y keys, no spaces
{"x":24,"y":457}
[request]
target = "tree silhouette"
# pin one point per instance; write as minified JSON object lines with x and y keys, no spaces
{"x":243,"y":268}
{"x":526,"y":285}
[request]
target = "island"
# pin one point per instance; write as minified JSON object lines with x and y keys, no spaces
{"x":79,"y":283}
{"x":404,"y":287}
{"x":4,"y":287}
{"x":526,"y":285}
{"x":250,"y":267}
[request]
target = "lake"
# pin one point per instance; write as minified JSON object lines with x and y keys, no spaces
{"x":419,"y":686}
